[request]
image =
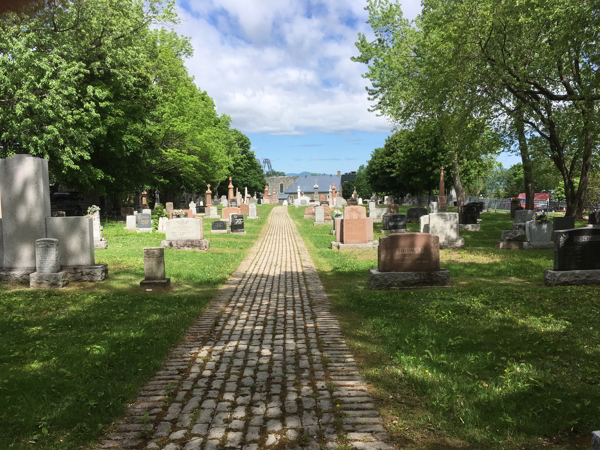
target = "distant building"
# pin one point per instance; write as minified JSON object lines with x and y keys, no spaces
{"x":287,"y":187}
{"x":539,"y":200}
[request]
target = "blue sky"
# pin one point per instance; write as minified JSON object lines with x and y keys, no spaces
{"x":281,"y":69}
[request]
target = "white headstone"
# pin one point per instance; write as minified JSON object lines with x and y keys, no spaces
{"x":130,"y":223}
{"x":433,"y":207}
{"x":252,"y":211}
{"x":319,"y":214}
{"x":147,"y":211}
{"x":338,"y":202}
{"x":214,"y":211}
{"x":285,"y":203}
{"x":444,"y":225}
{"x":201,"y":203}
{"x":192,"y":206}
{"x":360,"y":201}
{"x":303,"y":202}
{"x":46,"y":256}
{"x":162,"y":224}
{"x":183,"y":229}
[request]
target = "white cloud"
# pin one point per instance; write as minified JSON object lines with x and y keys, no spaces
{"x":283,"y":66}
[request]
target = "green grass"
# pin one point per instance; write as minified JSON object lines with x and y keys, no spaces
{"x":497,"y":361}
{"x":70,"y":360}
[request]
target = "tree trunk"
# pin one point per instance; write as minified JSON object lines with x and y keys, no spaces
{"x":460,"y":193}
{"x":527,"y":165}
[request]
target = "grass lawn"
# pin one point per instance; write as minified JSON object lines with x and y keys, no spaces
{"x":497,"y":361}
{"x":70,"y":360}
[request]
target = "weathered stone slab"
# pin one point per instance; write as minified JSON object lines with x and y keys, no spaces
{"x":596,"y":440}
{"x":130,"y":223}
{"x":538,"y":232}
{"x":470,"y":227}
{"x":444,"y":225}
{"x":76,"y":238}
{"x":46,"y":256}
{"x":25,"y":200}
{"x":572,"y":278}
{"x":91,"y":274}
{"x":20,"y":276}
{"x":228,"y":211}
{"x":186,"y":244}
{"x":538,"y":245}
{"x":47,"y":280}
{"x":252,"y":212}
{"x":367,"y":246}
{"x":514,"y":236}
{"x":154,"y":268}
{"x":509,"y":245}
{"x":399,"y":280}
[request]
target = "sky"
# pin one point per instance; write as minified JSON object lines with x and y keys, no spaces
{"x":281,"y":69}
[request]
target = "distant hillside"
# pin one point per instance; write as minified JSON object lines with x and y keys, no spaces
{"x":303,"y":174}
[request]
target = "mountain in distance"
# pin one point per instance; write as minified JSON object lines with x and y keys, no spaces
{"x":302,"y":174}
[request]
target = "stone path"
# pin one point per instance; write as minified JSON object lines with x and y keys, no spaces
{"x":265,"y":367}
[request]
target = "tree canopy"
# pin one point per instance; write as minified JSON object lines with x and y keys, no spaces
{"x":100,"y":89}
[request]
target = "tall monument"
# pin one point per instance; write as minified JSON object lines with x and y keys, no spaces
{"x":443,"y":205}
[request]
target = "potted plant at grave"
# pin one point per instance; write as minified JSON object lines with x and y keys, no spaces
{"x":541,"y":217}
{"x":336,"y":213}
{"x":92,"y":210}
{"x":178,"y":214}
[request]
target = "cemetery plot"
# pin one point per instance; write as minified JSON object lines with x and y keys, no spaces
{"x":497,"y":326}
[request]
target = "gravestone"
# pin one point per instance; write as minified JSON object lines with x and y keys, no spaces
{"x":594,"y":218}
{"x":237,"y":224}
{"x":563,"y":223}
{"x":99,"y":241}
{"x":252,"y":212}
{"x":147,"y":211}
{"x":192,"y":207}
{"x":468,"y":214}
{"x":169,"y":206}
{"x":218,"y":226}
{"x":355,"y":212}
{"x":538,"y":235}
{"x":433,"y":207}
{"x":596,"y":440}
{"x":47,"y":273}
{"x":154,"y":268}
{"x":213,"y":213}
{"x":76,"y":238}
{"x":162,"y":224}
{"x":354,"y":233}
{"x":319,"y":215}
{"x":245,"y":209}
{"x":394,"y":223}
{"x":285,"y":203}
{"x":408,"y":260}
{"x":259,"y":201}
{"x":414,"y":214}
{"x":576,"y":258}
{"x":444,"y":225}
{"x":143,"y":223}
{"x":233,"y":203}
{"x":185,"y":234}
{"x":478,"y":207}
{"x":303,"y":202}
{"x":200,"y":210}
{"x":524,"y":215}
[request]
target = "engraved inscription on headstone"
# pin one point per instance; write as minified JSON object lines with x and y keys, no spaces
{"x":143,"y":221}
{"x":46,"y":256}
{"x":154,"y":263}
{"x":237,"y":223}
{"x":577,"y":249}
{"x":394,"y":222}
{"x":219,"y":225}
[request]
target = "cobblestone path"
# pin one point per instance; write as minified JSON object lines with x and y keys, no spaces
{"x":265,"y":367}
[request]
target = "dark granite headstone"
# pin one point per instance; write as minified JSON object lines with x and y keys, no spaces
{"x":392,"y":222}
{"x":200,"y":209}
{"x":237,"y":223}
{"x":563,"y":223}
{"x":233,"y":204}
{"x":478,"y":206}
{"x":325,"y":203}
{"x":259,"y":201}
{"x":594,"y":218}
{"x":219,"y":225}
{"x":414,"y":214}
{"x":468,"y":215}
{"x":143,"y":221}
{"x":577,"y":249}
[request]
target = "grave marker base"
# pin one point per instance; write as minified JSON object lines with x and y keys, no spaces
{"x":387,"y":232}
{"x":143,"y":230}
{"x":186,"y":244}
{"x":218,"y":231}
{"x":56,"y":280}
{"x":325,"y":222}
{"x":459,"y":243}
{"x":86,"y":274}
{"x":153,"y":284}
{"x":469,"y":227}
{"x":367,"y":246}
{"x":509,"y":245}
{"x":538,"y":245}
{"x":238,"y":232}
{"x":571,"y":278}
{"x":20,"y":276}
{"x":102,"y":245}
{"x":403,"y":280}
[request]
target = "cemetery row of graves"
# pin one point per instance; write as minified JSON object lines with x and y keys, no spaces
{"x":502,"y":353}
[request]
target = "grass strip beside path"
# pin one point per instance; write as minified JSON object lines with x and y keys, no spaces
{"x":497,"y":361}
{"x":70,"y":360}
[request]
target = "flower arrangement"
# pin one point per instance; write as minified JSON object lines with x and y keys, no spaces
{"x":92,"y":210}
{"x":541,"y":217}
{"x":336,"y":213}
{"x":178,"y":213}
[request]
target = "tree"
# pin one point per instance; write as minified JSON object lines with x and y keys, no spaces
{"x":363,"y":188}
{"x":535,"y":60}
{"x":274,"y":173}
{"x":245,"y":169}
{"x":348,"y":189}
